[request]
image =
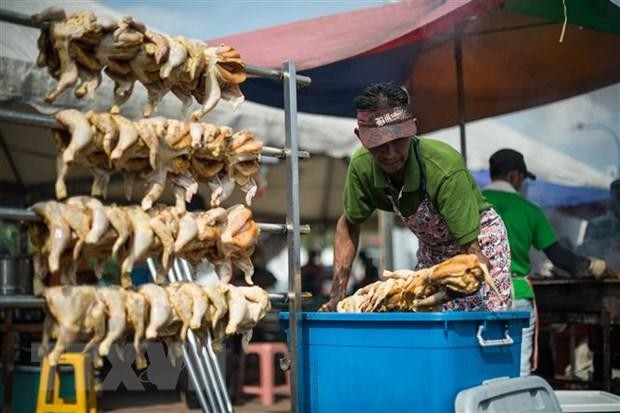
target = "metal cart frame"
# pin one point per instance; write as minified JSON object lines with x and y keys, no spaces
{"x":292,"y":228}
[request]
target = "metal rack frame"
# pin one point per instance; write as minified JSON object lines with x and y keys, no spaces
{"x":290,"y":153}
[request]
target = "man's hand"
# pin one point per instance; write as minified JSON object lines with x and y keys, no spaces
{"x":434,"y":300}
{"x":598,"y":269}
{"x":474,"y":248}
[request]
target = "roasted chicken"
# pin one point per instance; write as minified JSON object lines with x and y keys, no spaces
{"x":104,"y":316}
{"x":159,"y":150}
{"x":83,"y":228}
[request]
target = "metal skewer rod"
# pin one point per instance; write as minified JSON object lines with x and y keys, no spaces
{"x":46,"y":121}
{"x":184,"y":273}
{"x":175,"y":274}
{"x":18,"y":214}
{"x":186,"y":356}
{"x":25,"y":20}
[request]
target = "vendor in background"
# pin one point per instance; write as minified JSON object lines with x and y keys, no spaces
{"x":425,"y":182}
{"x":528,"y":227}
{"x":603,"y":233}
{"x":603,"y":238}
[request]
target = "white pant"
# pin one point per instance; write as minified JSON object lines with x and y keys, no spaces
{"x":527,"y":340}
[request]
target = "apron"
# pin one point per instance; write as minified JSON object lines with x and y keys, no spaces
{"x":437,"y":244}
{"x":534,"y":357}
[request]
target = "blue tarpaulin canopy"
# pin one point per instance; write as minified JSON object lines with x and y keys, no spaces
{"x":548,"y":195}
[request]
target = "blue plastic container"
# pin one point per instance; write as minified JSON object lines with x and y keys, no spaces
{"x":401,"y":362}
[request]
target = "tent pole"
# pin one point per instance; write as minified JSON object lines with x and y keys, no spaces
{"x":460,"y":88}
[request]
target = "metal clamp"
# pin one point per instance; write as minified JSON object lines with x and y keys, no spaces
{"x":506,"y":341}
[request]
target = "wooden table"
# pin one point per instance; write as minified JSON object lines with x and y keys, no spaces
{"x":584,"y":301}
{"x":8,"y":304}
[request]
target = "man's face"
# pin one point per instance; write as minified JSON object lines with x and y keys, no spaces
{"x":392,"y":156}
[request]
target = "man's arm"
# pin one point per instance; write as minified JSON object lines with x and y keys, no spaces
{"x":575,"y":264}
{"x":474,"y":248}
{"x":443,"y":296}
{"x":345,"y":248}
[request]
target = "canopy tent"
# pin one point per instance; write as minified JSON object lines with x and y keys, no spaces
{"x":511,"y":57}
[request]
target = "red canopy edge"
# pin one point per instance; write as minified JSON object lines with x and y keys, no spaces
{"x":317,"y":42}
{"x":437,"y":21}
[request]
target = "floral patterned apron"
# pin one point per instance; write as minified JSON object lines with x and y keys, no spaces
{"x":437,"y":244}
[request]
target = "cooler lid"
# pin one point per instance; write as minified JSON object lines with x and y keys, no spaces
{"x":521,"y":394}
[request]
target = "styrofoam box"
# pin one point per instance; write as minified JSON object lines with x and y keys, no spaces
{"x":401,"y":362}
{"x":587,"y":401}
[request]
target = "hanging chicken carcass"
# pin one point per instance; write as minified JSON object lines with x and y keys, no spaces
{"x":83,"y":229}
{"x":105,"y":316}
{"x":79,"y":46}
{"x":158,"y":150}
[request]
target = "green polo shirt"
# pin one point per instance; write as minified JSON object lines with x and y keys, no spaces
{"x":527,"y":227}
{"x":449,"y":185}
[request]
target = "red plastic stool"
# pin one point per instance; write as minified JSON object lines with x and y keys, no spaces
{"x":267,"y":389}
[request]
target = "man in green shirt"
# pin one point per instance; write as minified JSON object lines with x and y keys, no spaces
{"x":528,"y":227}
{"x":426,"y":183}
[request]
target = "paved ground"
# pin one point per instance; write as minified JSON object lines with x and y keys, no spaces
{"x":170,"y":402}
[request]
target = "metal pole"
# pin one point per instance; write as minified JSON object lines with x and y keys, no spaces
{"x":18,"y":18}
{"x":282,"y":153}
{"x":18,"y":214}
{"x":20,"y":301}
{"x":31,"y":119}
{"x":460,"y":87}
{"x":211,"y":367}
{"x":207,"y":351}
{"x":25,"y":20}
{"x":293,"y":235}
{"x":186,"y":357}
{"x":275,"y":74}
{"x":176,"y":274}
{"x":282,"y":229}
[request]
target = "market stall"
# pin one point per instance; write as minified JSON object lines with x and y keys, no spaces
{"x":202,"y":366}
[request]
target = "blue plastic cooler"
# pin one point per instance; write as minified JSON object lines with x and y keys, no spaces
{"x":401,"y":362}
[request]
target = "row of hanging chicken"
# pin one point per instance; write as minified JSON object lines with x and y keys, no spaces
{"x":78,"y":47}
{"x":82,"y":228}
{"x":104,"y":316}
{"x":156,"y":149}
